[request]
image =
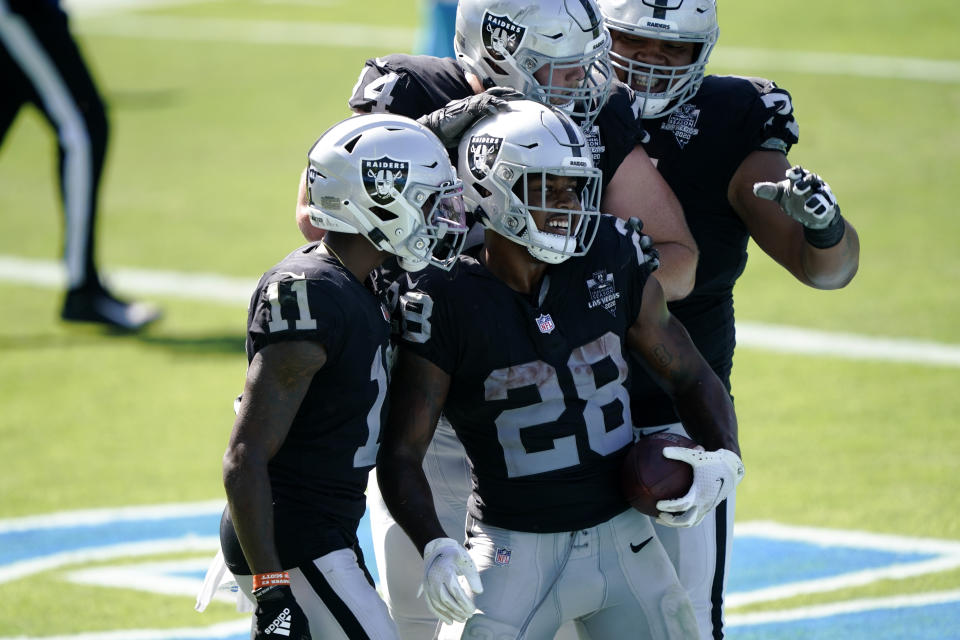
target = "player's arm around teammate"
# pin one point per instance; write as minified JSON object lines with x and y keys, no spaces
{"x":638,"y":190}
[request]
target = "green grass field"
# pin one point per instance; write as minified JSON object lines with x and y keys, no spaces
{"x":212,"y":120}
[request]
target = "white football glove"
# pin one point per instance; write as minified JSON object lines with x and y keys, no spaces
{"x":803,"y":196}
{"x":715,"y":475}
{"x":444,"y":560}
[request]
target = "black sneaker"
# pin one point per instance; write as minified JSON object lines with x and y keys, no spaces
{"x":96,"y":304}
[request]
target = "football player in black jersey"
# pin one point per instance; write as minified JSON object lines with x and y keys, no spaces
{"x":718,"y":141}
{"x":318,"y":341}
{"x":523,"y":346}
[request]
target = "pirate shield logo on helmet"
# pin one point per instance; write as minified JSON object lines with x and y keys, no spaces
{"x":501,"y":35}
{"x":384,"y":179}
{"x":483,"y":153}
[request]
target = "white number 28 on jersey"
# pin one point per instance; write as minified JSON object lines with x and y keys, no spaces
{"x":551,"y":405}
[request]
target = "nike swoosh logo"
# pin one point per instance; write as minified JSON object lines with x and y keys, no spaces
{"x":298,"y":276}
{"x":636,"y":547}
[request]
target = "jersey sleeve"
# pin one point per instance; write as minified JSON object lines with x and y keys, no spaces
{"x":295,"y":309}
{"x":428,"y":324}
{"x":779,"y":130}
{"x":620,"y":128}
{"x":384,"y":86}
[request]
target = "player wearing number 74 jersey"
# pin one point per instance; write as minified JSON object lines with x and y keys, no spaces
{"x":307,"y":428}
{"x":523,"y":346}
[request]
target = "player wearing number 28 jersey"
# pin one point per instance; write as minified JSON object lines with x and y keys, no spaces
{"x":524,"y":346}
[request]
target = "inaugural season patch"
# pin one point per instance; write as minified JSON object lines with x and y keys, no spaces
{"x":597,"y":148}
{"x":602,"y":292}
{"x":483,"y":153}
{"x":501,"y":35}
{"x":683,"y":123}
{"x":384,"y":179}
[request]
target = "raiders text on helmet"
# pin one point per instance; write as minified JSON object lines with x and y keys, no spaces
{"x":389,"y":179}
{"x":663,"y":88}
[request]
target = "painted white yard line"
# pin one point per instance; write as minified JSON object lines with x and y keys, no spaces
{"x":94,"y":7}
{"x":176,"y":284}
{"x":279,"y":32}
{"x":846,"y":538}
{"x":230,"y":290}
{"x":90,"y":517}
{"x":153,"y":577}
{"x":845,"y":581}
{"x":838,"y":64}
{"x":385,"y":39}
{"x":948,"y":553}
{"x":22,"y":569}
{"x":784,"y":339}
{"x":840,"y":608}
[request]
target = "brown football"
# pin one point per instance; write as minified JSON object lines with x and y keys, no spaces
{"x":647,"y":477}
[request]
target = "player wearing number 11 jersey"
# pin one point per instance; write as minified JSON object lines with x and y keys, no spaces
{"x":523,"y":346}
{"x":318,"y":335}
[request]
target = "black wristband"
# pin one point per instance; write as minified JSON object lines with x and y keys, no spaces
{"x":827,"y":237}
{"x":272,"y":592}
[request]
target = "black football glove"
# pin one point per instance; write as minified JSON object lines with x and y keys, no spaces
{"x":448,"y":123}
{"x":278,"y":616}
{"x":651,"y":257}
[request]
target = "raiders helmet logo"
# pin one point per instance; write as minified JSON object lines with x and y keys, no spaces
{"x":483,"y":153}
{"x":384,"y":179}
{"x":501,"y":35}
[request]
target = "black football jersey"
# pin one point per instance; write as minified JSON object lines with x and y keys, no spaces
{"x":414,"y":86}
{"x":538,"y":392}
{"x":319,"y":475}
{"x":697,"y":149}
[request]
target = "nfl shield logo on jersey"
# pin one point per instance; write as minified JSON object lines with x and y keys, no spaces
{"x":384,"y":179}
{"x":503,"y":556}
{"x":501,"y":35}
{"x":545,"y":323}
{"x":483,"y":153}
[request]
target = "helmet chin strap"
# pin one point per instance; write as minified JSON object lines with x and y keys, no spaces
{"x":549,"y":247}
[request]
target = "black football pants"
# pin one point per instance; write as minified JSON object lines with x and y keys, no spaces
{"x":40,"y":64}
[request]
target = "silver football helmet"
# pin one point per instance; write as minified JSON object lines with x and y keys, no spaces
{"x":504,"y":42}
{"x":389,"y":179}
{"x":663,"y":88}
{"x":509,"y":162}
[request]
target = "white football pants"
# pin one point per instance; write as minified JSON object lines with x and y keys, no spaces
{"x":401,"y":568}
{"x":337,"y":599}
{"x":614,"y":579}
{"x":398,"y":562}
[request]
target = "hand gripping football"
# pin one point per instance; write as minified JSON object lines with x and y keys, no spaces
{"x":647,"y":477}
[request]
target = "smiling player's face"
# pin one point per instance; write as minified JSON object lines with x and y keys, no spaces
{"x":559,"y":192}
{"x":651,"y":51}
